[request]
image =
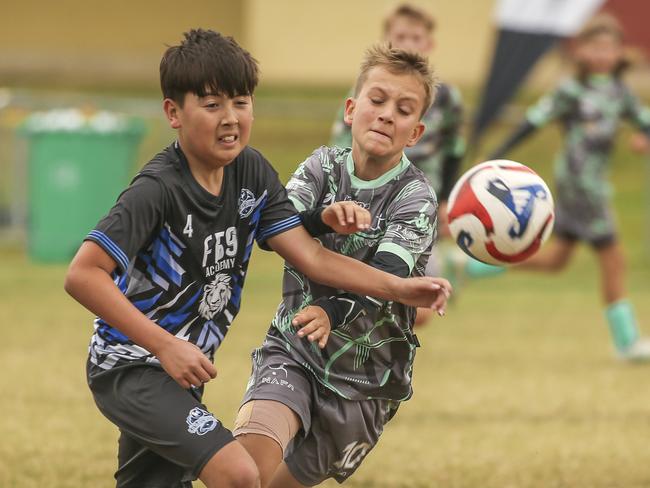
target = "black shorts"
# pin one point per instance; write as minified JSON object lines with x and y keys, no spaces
{"x":167,"y":434}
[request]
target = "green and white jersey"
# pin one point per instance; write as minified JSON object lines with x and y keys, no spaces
{"x":441,"y":144}
{"x":371,"y":355}
{"x":590,"y":112}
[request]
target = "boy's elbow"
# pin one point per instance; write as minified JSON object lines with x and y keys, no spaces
{"x":72,"y":280}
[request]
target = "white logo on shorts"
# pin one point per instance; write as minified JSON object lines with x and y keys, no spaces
{"x":353,"y":454}
{"x":274,"y":380}
{"x":200,"y":422}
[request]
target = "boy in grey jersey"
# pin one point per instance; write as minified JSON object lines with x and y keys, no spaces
{"x":165,"y":269}
{"x":335,"y":365}
{"x":438,"y":153}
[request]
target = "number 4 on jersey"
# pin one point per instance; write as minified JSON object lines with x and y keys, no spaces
{"x":188,"y":226}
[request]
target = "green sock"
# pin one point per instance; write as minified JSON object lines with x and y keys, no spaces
{"x":478,"y":269}
{"x":622,"y":324}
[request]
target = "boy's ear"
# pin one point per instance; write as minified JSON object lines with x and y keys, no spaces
{"x":417,"y":132}
{"x":172,"y":109}
{"x":350,"y":103}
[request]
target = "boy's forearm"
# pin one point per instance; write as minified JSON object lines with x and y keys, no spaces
{"x":349,"y":274}
{"x":95,"y":290}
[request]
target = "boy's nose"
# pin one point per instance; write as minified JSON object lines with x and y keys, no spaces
{"x":230,"y":116}
{"x":386,"y":116}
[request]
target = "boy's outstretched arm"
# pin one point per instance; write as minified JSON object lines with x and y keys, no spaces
{"x":317,"y":320}
{"x":89,"y":282}
{"x":298,"y":248}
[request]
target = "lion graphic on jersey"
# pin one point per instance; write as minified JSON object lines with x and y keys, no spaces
{"x":215,"y":296}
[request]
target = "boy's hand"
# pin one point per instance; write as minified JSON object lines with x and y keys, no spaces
{"x":346,"y":217}
{"x":186,"y":363}
{"x":425,"y":291}
{"x":440,"y":303}
{"x":314,"y":323}
{"x":639,"y":143}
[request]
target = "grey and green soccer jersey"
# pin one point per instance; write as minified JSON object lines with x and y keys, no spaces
{"x":440,"y":144}
{"x":590,"y":113}
{"x":370,"y":356}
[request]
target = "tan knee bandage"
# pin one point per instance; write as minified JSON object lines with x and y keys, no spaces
{"x":270,"y":418}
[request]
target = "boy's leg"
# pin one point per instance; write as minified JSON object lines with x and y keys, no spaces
{"x":553,"y":257}
{"x":265,"y":428}
{"x":284,"y":479}
{"x":340,"y":437}
{"x":619,"y":312}
{"x":276,"y":405}
{"x":169,"y":438}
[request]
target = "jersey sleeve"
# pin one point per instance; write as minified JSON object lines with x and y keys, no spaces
{"x":553,"y":105}
{"x":129,"y":225}
{"x":278,"y":214}
{"x":636,"y":112}
{"x":307,"y":185}
{"x":412,"y":218}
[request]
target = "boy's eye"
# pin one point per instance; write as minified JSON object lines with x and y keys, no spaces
{"x":376,"y":101}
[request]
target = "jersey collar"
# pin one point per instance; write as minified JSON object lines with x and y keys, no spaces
{"x":377,"y":182}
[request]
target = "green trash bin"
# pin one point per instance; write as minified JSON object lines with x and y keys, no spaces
{"x":76,"y":168}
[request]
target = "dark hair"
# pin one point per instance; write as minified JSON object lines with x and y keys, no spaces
{"x":398,"y":61}
{"x":414,"y":14}
{"x":207,"y":63}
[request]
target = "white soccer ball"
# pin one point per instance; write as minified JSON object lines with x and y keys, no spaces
{"x":500,"y":212}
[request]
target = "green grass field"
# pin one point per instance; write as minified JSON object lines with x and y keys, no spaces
{"x":516,"y":387}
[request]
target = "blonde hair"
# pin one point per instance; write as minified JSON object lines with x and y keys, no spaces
{"x":399,"y":62}
{"x":414,"y":14}
{"x":601,"y":24}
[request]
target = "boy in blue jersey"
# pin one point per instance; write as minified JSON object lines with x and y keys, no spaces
{"x":335,"y":366}
{"x":164,"y":271}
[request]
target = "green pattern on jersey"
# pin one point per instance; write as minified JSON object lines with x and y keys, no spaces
{"x":371,"y":355}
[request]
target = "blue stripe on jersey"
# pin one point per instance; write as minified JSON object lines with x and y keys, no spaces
{"x":110,"y":247}
{"x":155,"y":277}
{"x":109,"y":333}
{"x":279,"y":227}
{"x":176,"y":318}
{"x":165,"y":262}
{"x":145,"y":305}
{"x":173,"y":243}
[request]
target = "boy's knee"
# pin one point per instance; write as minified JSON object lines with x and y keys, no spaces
{"x":231,"y":467}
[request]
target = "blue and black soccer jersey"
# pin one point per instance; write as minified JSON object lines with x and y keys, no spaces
{"x":182,"y":253}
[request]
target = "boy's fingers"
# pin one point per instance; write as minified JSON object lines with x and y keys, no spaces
{"x":303,"y":317}
{"x":349,"y":213}
{"x":307,"y":329}
{"x":317,"y":334}
{"x":323,"y":340}
{"x":209,"y":368}
{"x":340,"y":214}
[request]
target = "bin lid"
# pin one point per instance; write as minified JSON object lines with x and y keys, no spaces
{"x":74,"y":120}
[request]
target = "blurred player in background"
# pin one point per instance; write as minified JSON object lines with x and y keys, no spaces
{"x":589,"y":106}
{"x":441,"y":148}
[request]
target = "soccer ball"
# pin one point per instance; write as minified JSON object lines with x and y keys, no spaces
{"x":500,"y":212}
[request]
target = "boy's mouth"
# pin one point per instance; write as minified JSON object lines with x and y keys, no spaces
{"x":380,"y":133}
{"x":228,"y":139}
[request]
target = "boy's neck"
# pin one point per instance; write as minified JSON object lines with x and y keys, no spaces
{"x":368,"y":168}
{"x":209,"y":177}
